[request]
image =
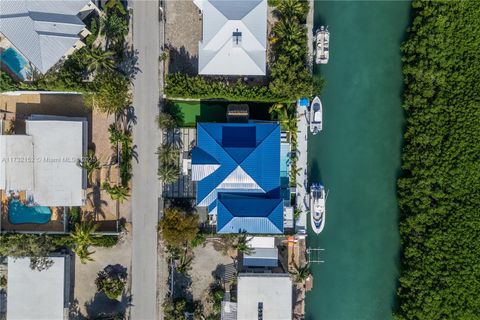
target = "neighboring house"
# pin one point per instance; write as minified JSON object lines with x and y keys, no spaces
{"x":264,"y":253}
{"x":34,"y":294}
{"x":266,"y":296}
{"x":237,"y":169}
{"x":44,"y":161}
{"x":234,"y":37}
{"x":42,"y":31}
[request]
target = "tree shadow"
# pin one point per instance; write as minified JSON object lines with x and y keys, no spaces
{"x":101,"y":307}
{"x":181,"y":61}
{"x":174,"y":110}
{"x":129,"y":64}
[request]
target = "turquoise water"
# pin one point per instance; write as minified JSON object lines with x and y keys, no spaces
{"x":357,"y":157}
{"x":15,"y":62}
{"x":18,"y":213}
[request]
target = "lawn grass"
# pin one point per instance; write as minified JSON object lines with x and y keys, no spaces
{"x":188,"y":113}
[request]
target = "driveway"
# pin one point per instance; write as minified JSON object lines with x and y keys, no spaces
{"x":146,"y":138}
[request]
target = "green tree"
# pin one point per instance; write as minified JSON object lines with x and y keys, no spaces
{"x":83,"y":237}
{"x":300,"y":273}
{"x":165,"y":121}
{"x":168,"y":173}
{"x":111,"y":283}
{"x":168,"y":154}
{"x":114,"y":28}
{"x":292,"y":9}
{"x":90,"y":163}
{"x":242,"y":244}
{"x":439,"y":188}
{"x":99,"y":60}
{"x":177,"y":228}
{"x":110,"y":93}
{"x":117,"y":193}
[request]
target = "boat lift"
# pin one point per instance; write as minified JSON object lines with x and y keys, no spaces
{"x":313,"y":255}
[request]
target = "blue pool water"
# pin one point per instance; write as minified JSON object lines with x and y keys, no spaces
{"x":18,"y":213}
{"x":15,"y":62}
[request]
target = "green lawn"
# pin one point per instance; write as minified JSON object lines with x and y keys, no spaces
{"x":188,"y":113}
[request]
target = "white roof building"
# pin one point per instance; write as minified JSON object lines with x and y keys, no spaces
{"x":266,"y":296}
{"x":43,"y":30}
{"x":34,"y":294}
{"x":234,"y":37}
{"x":44,"y":161}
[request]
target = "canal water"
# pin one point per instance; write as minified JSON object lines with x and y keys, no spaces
{"x":357,"y":157}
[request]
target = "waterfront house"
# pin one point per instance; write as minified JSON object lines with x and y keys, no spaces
{"x":234,"y":37}
{"x":43,"y":162}
{"x":39,"y":33}
{"x":35,"y":294}
{"x":266,"y":296}
{"x":237,"y":172}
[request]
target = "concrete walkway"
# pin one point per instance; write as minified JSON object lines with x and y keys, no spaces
{"x":301,"y":224}
{"x":145,"y":192}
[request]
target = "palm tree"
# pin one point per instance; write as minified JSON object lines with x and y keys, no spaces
{"x":90,"y":164}
{"x":168,"y":154}
{"x":300,"y":274}
{"x":83,"y":237}
{"x":165,"y":121}
{"x":292,"y":8}
{"x":242,"y":244}
{"x":168,"y":173}
{"x":285,"y":115}
{"x":97,"y":59}
{"x":288,"y":33}
{"x":117,"y":193}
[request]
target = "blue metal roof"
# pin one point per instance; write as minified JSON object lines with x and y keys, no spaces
{"x":246,"y":154}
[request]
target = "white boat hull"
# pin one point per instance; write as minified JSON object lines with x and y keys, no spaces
{"x":317,"y":208}
{"x":316,"y":116}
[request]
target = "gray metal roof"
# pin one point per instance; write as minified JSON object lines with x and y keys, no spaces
{"x":219,"y":52}
{"x":42,"y":30}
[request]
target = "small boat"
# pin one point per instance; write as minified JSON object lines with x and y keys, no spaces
{"x":322,"y":39}
{"x":317,"y":207}
{"x":316,"y":116}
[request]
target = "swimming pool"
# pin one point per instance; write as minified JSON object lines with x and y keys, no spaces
{"x":18,"y":213}
{"x":15,"y":62}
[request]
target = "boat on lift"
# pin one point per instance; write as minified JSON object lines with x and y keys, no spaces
{"x":322,"y":43}
{"x":316,"y":116}
{"x":317,"y":207}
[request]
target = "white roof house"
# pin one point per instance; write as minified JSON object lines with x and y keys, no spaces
{"x":42,"y":30}
{"x":234,"y":37}
{"x":44,"y":161}
{"x":34,"y":294}
{"x":268,"y":295}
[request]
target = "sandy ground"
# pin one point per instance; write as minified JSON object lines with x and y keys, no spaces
{"x":183,"y":27}
{"x":204,"y":267}
{"x":86,"y":298}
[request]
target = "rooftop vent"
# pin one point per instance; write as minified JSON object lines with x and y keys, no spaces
{"x":237,"y":38}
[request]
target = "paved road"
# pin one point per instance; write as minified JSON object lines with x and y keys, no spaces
{"x":145,"y":183}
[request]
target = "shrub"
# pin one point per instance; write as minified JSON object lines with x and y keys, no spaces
{"x":111,"y":283}
{"x":6,"y":82}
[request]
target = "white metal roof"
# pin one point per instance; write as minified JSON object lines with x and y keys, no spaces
{"x":273,"y":291}
{"x":16,"y":167}
{"x":34,"y":294}
{"x":219,"y":53}
{"x":42,"y":30}
{"x":261,"y":242}
{"x":58,"y":145}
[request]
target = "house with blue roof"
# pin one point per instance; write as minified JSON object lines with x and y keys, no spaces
{"x":237,"y":171}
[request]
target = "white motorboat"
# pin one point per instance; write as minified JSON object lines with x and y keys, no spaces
{"x":322,"y":42}
{"x":317,"y":207}
{"x":316,"y":116}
